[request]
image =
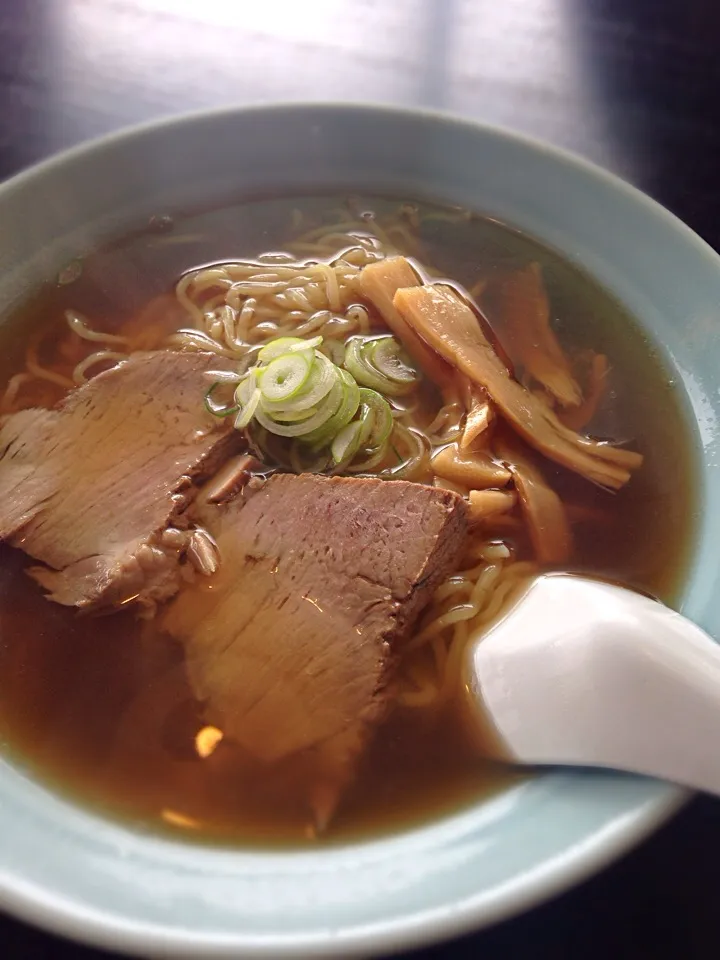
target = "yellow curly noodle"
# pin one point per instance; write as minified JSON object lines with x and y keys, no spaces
{"x":463,"y":606}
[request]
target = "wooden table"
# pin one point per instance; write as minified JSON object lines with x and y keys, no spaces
{"x":632,"y":84}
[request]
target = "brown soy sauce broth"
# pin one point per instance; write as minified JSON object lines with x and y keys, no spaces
{"x":99,"y":708}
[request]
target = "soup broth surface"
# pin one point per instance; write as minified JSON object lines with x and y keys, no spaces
{"x":99,"y":707}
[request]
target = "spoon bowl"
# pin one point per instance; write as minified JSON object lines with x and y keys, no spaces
{"x":586,"y":673}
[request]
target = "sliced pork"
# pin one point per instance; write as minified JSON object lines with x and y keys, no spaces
{"x":292,"y":645}
{"x":90,"y":487}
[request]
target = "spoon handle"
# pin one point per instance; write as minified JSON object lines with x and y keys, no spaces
{"x":586,"y":673}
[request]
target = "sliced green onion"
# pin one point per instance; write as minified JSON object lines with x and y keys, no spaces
{"x":288,"y":416}
{"x":276,"y":348}
{"x":418,"y":455}
{"x":358,"y":362}
{"x":382,"y":422}
{"x":323,"y":377}
{"x":246,"y":387}
{"x":312,"y":344}
{"x":355,"y":363}
{"x":370,"y":430}
{"x":248,"y":410}
{"x":219,"y":410}
{"x":346,"y":411}
{"x":386,"y":356}
{"x":375,"y":457}
{"x":347,"y":442}
{"x":285,"y":376}
{"x":330,"y":415}
{"x":326,"y":409}
{"x":367,"y":421}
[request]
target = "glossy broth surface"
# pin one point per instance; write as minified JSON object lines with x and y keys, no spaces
{"x":99,"y":707}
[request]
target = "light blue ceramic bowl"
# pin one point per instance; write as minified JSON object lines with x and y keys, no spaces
{"x":69,"y":871}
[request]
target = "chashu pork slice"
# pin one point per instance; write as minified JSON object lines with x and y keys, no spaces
{"x":293,"y":644}
{"x":89,"y":487}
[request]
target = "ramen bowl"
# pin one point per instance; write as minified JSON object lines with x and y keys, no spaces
{"x":71,"y":871}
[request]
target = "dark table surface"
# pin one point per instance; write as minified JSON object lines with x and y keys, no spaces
{"x":631,"y":84}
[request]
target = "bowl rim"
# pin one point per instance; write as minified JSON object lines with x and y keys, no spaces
{"x":555,"y":876}
{"x":36,"y":905}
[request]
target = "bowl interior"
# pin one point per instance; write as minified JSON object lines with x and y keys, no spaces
{"x":69,"y":870}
